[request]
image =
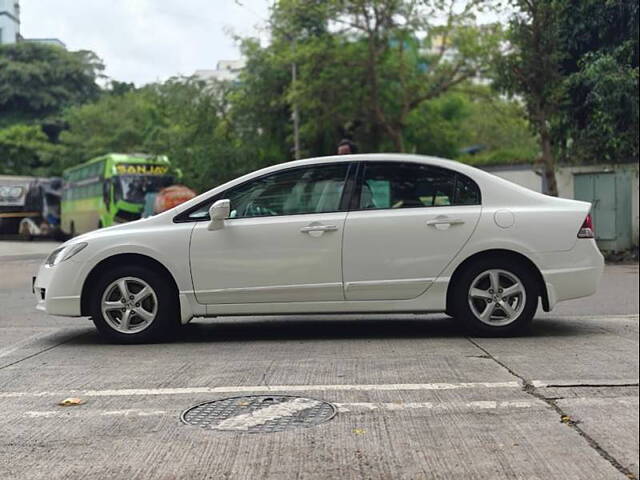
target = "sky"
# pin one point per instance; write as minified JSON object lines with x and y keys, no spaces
{"x":144,"y":41}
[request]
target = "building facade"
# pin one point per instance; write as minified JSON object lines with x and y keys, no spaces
{"x":9,"y":21}
{"x":226,"y":70}
{"x":10,"y":26}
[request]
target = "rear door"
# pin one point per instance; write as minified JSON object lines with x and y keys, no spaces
{"x":408,"y":223}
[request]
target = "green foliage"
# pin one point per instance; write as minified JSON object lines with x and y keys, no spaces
{"x":600,"y":110}
{"x":531,"y":71}
{"x":575,"y":65}
{"x":258,"y":106}
{"x":115,"y":123}
{"x":436,"y":126}
{"x":499,"y":125}
{"x":183,"y":118}
{"x":26,"y":150}
{"x":393,"y":75}
{"x":330,"y":96}
{"x":380,"y":61}
{"x":501,"y":156}
{"x":39,"y":80}
{"x":604,"y":126}
{"x":193,"y":126}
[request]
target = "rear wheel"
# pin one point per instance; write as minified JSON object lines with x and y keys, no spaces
{"x":134,"y":304}
{"x":495,"y":297}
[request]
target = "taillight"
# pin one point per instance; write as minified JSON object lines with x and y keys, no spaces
{"x":586,"y":230}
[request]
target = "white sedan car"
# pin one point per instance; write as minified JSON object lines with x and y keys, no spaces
{"x":372,"y":233}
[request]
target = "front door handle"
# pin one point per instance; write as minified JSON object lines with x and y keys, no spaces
{"x":319,"y":228}
{"x":445,"y":221}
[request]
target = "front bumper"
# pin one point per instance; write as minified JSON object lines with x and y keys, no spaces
{"x":57,"y":289}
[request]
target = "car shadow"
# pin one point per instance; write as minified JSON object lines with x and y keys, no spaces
{"x":345,"y":327}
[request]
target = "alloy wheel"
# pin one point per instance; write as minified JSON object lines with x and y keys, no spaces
{"x":497,"y":297}
{"x":129,"y":305}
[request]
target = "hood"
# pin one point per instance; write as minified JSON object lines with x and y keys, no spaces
{"x":116,"y":229}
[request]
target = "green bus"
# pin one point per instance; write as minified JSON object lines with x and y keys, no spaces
{"x":111,"y":189}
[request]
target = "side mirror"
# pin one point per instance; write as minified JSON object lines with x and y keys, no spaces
{"x":218,"y":212}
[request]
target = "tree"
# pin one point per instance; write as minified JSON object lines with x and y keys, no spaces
{"x":26,"y":150}
{"x":184,"y":118}
{"x":365,"y":66}
{"x":37,"y":81}
{"x":497,"y":129}
{"x":415,"y":52}
{"x":600,"y":65}
{"x":530,"y":69}
{"x":260,"y":108}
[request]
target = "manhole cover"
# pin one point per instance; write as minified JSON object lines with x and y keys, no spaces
{"x":259,"y":413}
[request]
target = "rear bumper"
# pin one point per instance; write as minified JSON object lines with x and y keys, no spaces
{"x":572,"y":274}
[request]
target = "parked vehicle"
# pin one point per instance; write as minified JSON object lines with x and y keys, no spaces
{"x":30,"y":206}
{"x":347,"y":234}
{"x":111,"y":189}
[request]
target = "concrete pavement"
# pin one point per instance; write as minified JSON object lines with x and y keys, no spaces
{"x":416,"y":399}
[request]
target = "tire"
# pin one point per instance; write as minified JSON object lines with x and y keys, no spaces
{"x":154,"y":316}
{"x":9,"y":225}
{"x":507,"y":314}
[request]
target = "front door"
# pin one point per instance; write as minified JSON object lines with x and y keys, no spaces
{"x":411,"y":220}
{"x":282,"y":242}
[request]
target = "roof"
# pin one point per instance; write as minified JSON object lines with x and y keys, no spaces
{"x":391,"y":157}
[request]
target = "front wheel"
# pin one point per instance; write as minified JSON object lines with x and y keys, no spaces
{"x":133,"y":304}
{"x":495,"y":297}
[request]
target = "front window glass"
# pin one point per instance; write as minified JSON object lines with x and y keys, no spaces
{"x":314,"y":189}
{"x":133,"y":188}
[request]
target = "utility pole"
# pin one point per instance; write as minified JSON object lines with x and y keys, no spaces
{"x":295,"y":114}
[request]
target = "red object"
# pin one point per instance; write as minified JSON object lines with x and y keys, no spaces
{"x":172,"y":196}
{"x":587,"y":231}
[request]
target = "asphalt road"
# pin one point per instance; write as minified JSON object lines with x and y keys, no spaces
{"x":416,"y":399}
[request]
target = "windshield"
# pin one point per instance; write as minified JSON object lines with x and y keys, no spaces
{"x":133,"y":188}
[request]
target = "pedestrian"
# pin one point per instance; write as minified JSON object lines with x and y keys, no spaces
{"x":347,"y":147}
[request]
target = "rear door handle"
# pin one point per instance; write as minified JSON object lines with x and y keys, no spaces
{"x":445,"y":221}
{"x":319,"y":228}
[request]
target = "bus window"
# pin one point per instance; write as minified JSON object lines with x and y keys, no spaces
{"x":133,"y":188}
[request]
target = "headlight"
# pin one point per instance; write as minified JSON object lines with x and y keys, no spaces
{"x":64,"y":253}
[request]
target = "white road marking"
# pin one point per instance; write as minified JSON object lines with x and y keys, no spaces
{"x":482,"y":405}
{"x":85,"y":413}
{"x":315,"y":388}
{"x":475,"y":405}
{"x":265,"y":388}
{"x":245,"y":421}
